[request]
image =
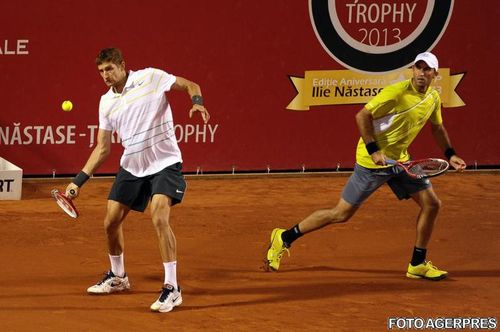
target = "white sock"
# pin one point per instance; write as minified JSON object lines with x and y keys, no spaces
{"x":117,"y":266}
{"x":171,"y":273}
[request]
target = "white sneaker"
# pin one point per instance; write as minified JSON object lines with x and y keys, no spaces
{"x":110,"y":284}
{"x":169,"y":298}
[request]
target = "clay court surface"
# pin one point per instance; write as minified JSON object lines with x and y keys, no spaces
{"x":348,"y":277}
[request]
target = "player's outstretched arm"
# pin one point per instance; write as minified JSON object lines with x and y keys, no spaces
{"x":97,"y":157}
{"x":194,"y":92}
{"x":443,"y":141}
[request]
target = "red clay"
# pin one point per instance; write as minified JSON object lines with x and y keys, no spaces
{"x":348,"y":277}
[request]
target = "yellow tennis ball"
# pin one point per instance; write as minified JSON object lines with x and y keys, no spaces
{"x":67,"y":106}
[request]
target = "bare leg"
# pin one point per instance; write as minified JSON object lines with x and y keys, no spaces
{"x":282,"y":239}
{"x":115,"y":215}
{"x":429,"y":208}
{"x":160,"y":210}
{"x":342,"y":212}
{"x":115,"y":280}
{"x":171,"y":294}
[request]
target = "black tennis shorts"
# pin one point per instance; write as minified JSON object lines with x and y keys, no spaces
{"x":136,"y":192}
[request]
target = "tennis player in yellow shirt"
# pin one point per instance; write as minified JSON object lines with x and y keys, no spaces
{"x":388,"y":124}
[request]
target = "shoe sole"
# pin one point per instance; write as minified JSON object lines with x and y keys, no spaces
{"x":125,"y":289}
{"x":175,"y":304}
{"x":415,"y":276}
{"x":113,"y":292}
{"x":268,"y":268}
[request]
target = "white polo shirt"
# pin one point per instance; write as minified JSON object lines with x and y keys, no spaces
{"x":142,"y":118}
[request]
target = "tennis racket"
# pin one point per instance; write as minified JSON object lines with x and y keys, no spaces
{"x":422,"y":168}
{"x":65,"y":203}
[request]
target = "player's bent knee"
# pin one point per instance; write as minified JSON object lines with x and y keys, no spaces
{"x":160,"y":222}
{"x":336,"y":216}
{"x":111,"y":225}
{"x":342,"y":212}
{"x":433,"y":204}
{"x":438,"y":204}
{"x":342,"y":218}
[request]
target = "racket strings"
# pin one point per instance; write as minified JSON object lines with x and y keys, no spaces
{"x":428,"y":167}
{"x":64,"y":203}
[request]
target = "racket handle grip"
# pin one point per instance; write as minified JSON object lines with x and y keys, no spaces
{"x":391,"y":161}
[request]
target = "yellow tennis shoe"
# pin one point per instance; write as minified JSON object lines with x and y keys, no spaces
{"x":425,"y":271}
{"x":275,"y":251}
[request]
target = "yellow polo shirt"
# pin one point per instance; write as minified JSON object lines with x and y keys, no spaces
{"x":399,"y":113}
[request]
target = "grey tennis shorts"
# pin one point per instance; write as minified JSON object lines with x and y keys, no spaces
{"x":135,"y":192}
{"x":364,"y":181}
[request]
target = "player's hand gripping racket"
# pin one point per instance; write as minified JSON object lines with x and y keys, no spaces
{"x":423,"y":168}
{"x":65,"y":203}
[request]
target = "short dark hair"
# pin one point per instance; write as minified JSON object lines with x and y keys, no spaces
{"x":110,"y":54}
